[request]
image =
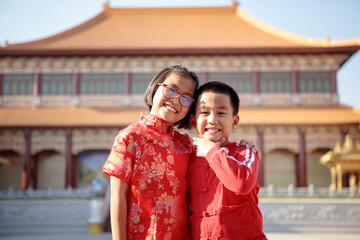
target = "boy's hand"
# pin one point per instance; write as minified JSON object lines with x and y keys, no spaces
{"x":204,"y":145}
{"x":250,"y":144}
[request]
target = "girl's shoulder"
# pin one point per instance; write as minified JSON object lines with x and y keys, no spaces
{"x":184,"y":138}
{"x":131,"y":131}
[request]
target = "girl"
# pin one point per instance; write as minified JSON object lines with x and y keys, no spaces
{"x":148,"y":162}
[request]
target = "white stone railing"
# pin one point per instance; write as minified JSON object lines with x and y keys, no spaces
{"x":87,"y":193}
{"x":309,"y":191}
{"x":82,"y":193}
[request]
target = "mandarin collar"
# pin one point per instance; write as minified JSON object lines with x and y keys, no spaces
{"x":155,"y":123}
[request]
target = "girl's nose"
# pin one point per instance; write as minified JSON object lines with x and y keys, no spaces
{"x":175,"y":99}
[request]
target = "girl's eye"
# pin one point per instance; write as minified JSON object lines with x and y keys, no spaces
{"x":186,"y":98}
{"x":171,"y":90}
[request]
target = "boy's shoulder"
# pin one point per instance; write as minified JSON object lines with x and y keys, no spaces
{"x":244,"y":148}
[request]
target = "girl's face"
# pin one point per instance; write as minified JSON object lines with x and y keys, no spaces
{"x":171,"y":110}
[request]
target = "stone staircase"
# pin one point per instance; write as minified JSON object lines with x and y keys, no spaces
{"x":44,"y":216}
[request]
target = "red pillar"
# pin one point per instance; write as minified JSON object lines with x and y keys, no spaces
{"x":295,"y":82}
{"x":69,"y":159}
{"x":333,"y":82}
{"x":204,"y":78}
{"x":37,"y":84}
{"x":127,"y":84}
{"x":1,"y":84}
{"x":256,"y":82}
{"x":261,"y":175}
{"x":26,"y":173}
{"x":301,"y":164}
{"x":76,"y":84}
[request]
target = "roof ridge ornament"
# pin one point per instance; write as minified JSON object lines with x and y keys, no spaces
{"x":106,"y":5}
{"x":235,"y":3}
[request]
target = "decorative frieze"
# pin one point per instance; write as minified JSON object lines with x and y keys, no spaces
{"x":93,"y":139}
{"x":239,"y":63}
{"x":13,"y":140}
{"x":48,"y":139}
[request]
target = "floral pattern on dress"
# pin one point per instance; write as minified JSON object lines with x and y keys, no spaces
{"x":153,"y":162}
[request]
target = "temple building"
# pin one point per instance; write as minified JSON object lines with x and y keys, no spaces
{"x":344,"y":160}
{"x":64,"y":98}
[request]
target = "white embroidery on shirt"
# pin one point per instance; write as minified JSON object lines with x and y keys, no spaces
{"x":247,"y":162}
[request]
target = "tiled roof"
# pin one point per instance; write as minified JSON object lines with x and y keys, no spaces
{"x":97,"y":117}
{"x":156,"y":29}
{"x":325,"y":115}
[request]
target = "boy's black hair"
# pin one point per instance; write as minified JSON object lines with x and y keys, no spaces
{"x":223,"y":88}
{"x":161,"y":77}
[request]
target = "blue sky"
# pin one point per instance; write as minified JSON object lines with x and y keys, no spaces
{"x":27,"y":20}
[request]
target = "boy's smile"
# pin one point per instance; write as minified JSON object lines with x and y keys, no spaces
{"x":214,"y":117}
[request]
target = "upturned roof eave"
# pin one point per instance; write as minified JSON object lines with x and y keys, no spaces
{"x":178,"y":51}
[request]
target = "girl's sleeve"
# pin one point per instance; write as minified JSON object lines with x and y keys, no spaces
{"x":119,"y":162}
{"x":238,"y":170}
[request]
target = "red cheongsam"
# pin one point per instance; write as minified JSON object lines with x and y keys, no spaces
{"x":153,"y":161}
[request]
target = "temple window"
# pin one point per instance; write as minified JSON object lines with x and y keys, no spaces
{"x":314,"y":82}
{"x":241,"y":82}
{"x":272,"y":82}
{"x":139,"y":82}
{"x":18,"y":84}
{"x":56,"y":84}
{"x":101,"y":84}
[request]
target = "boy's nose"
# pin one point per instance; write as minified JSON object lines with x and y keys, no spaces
{"x":212,"y":118}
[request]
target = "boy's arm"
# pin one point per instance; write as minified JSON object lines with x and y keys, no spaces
{"x":118,"y":208}
{"x":238,"y":171}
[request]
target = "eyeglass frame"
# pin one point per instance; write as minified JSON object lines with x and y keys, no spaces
{"x":181,"y":96}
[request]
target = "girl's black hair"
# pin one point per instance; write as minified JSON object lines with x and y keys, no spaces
{"x":161,"y":77}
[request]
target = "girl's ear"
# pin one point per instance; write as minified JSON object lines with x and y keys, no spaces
{"x":236,"y":121}
{"x":193,"y":121}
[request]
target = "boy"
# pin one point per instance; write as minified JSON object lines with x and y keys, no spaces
{"x":222,"y":178}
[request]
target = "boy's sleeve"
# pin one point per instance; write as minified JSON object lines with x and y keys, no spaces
{"x":237,"y":170}
{"x":119,"y":163}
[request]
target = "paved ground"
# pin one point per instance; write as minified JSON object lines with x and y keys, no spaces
{"x":271,"y":236}
{"x":284,"y":219}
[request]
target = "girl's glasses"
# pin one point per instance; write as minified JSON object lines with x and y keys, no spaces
{"x":171,"y":93}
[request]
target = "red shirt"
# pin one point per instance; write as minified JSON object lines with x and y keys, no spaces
{"x":223,"y":190}
{"x":153,"y":162}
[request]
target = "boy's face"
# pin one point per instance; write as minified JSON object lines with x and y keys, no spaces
{"x":214,"y":117}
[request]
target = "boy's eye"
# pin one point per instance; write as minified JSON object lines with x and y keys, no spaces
{"x":204,"y":112}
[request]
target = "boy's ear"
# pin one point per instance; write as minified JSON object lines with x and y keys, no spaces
{"x":193,"y":121}
{"x":236,"y":121}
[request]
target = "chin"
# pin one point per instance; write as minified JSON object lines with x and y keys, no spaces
{"x":213,"y":139}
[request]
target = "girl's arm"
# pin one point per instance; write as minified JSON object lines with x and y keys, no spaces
{"x":118,"y":208}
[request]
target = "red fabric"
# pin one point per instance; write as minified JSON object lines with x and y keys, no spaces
{"x":157,"y":192}
{"x":223,"y":190}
